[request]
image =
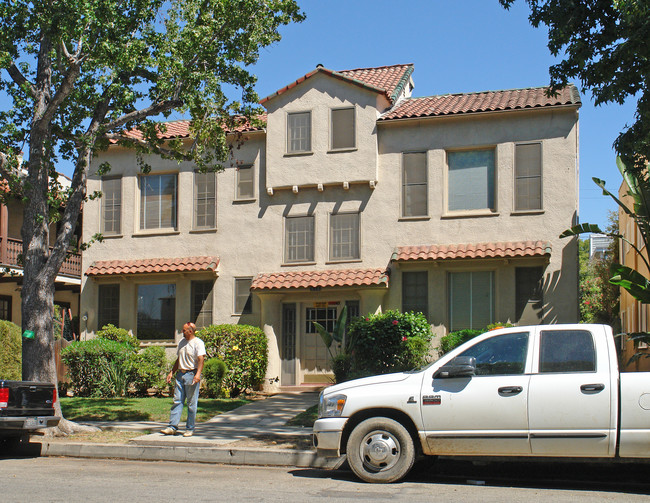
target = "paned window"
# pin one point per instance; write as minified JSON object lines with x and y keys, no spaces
{"x":414,"y":184}
{"x":299,"y":132}
{"x":344,"y":236}
{"x":205,"y":200}
{"x":109,"y":306}
{"x":202,"y":303}
{"x":243,"y":299}
{"x":326,"y":316}
{"x":5,"y":307}
{"x":111,"y":206}
{"x":528,"y":176}
{"x":245,"y":182}
{"x":156,"y":311}
{"x":471,"y":180}
{"x":299,"y":239}
{"x":343,"y":129}
{"x":471,"y":300}
{"x":158,"y":201}
{"x":415,"y":292}
{"x":528,"y":289}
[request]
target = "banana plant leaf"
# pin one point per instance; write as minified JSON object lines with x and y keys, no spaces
{"x":635,"y":283}
{"x":581,"y":229}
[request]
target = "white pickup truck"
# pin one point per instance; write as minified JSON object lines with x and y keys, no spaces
{"x":539,"y":391}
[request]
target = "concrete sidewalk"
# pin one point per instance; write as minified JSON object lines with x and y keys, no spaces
{"x":212,"y":441}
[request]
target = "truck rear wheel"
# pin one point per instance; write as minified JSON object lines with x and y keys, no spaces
{"x":380,"y":450}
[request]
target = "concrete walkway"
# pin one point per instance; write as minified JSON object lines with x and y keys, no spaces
{"x":210,"y":442}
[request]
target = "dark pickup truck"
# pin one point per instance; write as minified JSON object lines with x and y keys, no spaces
{"x":25,"y":407}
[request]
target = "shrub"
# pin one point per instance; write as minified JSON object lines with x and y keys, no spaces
{"x":243,"y":349}
{"x":389,"y":342}
{"x":147,"y":370}
{"x":454,"y":339}
{"x":214,"y":370}
{"x":10,"y":351}
{"x":91,"y":366}
{"x":113,"y":333}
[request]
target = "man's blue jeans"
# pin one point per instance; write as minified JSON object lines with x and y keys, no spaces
{"x":184,"y":390}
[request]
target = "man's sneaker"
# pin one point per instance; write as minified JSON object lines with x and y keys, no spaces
{"x":188,"y":433}
{"x":168,"y":431}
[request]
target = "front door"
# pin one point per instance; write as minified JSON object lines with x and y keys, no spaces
{"x":570,"y":396}
{"x":288,"y":370}
{"x":485,"y":413}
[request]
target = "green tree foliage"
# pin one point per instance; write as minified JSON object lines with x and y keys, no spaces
{"x":604,"y":44}
{"x":79,"y":74}
{"x":243,"y":348}
{"x":10,"y":351}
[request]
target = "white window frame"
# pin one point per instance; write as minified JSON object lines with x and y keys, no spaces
{"x":105,"y":204}
{"x":354,"y":129}
{"x":448,"y":200}
{"x":238,"y":183}
{"x":237,"y":295}
{"x":350,"y":258}
{"x":307,"y":137}
{"x":517,"y":177}
{"x":406,"y":185}
{"x":195,"y":214}
{"x":287,"y":259}
{"x":141,"y":210}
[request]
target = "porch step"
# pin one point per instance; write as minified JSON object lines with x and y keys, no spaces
{"x":307,"y":388}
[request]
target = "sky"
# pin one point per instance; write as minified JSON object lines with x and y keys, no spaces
{"x":455,"y":46}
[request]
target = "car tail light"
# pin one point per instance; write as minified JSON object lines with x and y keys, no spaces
{"x":53,"y":397}
{"x":4,"y":398}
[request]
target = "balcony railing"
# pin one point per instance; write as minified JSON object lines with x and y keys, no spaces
{"x":11,"y":248}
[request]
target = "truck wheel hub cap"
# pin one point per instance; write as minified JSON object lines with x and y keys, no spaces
{"x":379,"y":450}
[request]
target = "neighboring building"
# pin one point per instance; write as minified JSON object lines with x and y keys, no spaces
{"x":635,"y":317}
{"x":354,"y":194}
{"x":67,"y":285}
{"x":598,"y":245}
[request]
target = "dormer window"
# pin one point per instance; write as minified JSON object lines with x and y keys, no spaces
{"x":342,"y":129}
{"x":299,"y":132}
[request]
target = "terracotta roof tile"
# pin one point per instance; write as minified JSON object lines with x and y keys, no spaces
{"x":488,"y":101}
{"x":478,"y":250}
{"x":181,"y":129}
{"x":388,"y":80}
{"x":154,"y":265}
{"x":323,"y":279}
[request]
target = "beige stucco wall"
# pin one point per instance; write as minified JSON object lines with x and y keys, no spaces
{"x":249,"y":238}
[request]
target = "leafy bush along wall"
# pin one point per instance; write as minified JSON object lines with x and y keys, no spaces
{"x":243,"y":348}
{"x":10,"y":351}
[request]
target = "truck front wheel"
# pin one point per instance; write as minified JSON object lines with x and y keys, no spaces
{"x":380,"y":450}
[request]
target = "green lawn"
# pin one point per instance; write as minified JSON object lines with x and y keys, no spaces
{"x":140,"y":409}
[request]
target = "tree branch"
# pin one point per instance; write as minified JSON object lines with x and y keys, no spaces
{"x":136,"y":115}
{"x":20,"y":79}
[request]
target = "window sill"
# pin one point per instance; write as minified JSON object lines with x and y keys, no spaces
{"x":298,"y":154}
{"x":292,"y":264}
{"x":155,"y":232}
{"x":203,"y":231}
{"x":338,"y":150}
{"x":112,"y":236}
{"x":527,"y":212}
{"x":240,"y":314}
{"x":413,"y":219}
{"x":160,"y":342}
{"x":470,"y":214}
{"x":244,"y":200}
{"x":344,"y":261}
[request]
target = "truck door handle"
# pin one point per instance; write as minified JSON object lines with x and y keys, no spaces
{"x":592,"y":388}
{"x":510,"y":390}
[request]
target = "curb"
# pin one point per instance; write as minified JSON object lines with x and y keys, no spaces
{"x":229,"y":456}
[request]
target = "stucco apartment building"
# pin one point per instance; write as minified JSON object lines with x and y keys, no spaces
{"x":354,"y":193}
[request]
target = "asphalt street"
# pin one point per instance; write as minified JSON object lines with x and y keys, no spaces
{"x":55,"y":479}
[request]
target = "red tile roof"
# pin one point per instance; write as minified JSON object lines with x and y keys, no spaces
{"x":181,"y":129}
{"x":487,"y":101}
{"x":323,"y":279}
{"x":478,"y":250}
{"x":154,"y":265}
{"x":388,"y":80}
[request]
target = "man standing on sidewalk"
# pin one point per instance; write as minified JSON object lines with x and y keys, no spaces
{"x":188,"y":368}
